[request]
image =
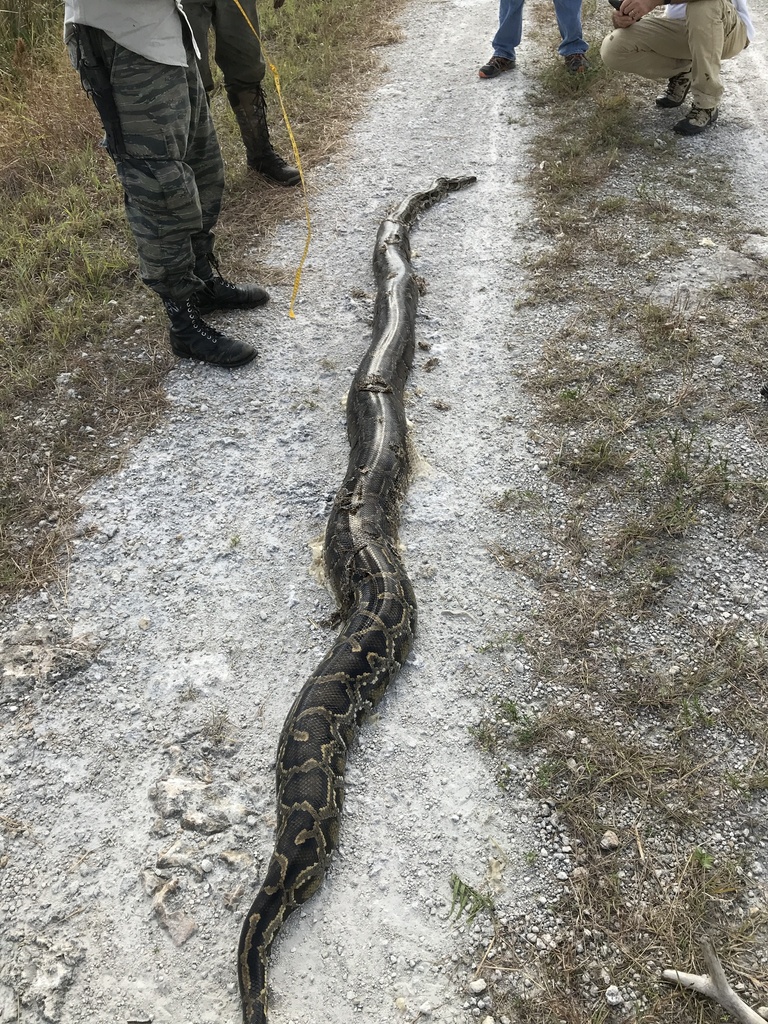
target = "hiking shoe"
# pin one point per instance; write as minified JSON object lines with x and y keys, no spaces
{"x":677,"y":90}
{"x":696,"y":121}
{"x":193,"y":338}
{"x":576,"y":63}
{"x":217,"y":293}
{"x":496,"y":66}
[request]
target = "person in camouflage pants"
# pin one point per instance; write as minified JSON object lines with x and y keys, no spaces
{"x":238,"y":54}
{"x":162,"y":140}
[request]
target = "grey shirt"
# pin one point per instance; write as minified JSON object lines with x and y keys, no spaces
{"x":151,"y":28}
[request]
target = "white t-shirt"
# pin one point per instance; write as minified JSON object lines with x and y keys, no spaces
{"x":151,"y":28}
{"x":678,"y":11}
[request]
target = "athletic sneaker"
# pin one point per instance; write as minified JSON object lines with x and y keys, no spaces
{"x":576,"y":63}
{"x":696,"y":121}
{"x":496,"y":66}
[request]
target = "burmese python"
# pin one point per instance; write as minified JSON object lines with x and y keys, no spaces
{"x":376,"y":601}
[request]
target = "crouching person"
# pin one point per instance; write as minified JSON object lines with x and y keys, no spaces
{"x":137,"y":62}
{"x":685,"y":46}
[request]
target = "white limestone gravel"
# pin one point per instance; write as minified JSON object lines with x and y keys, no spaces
{"x":142,"y":703}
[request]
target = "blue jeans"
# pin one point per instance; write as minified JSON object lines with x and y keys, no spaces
{"x":510,"y":32}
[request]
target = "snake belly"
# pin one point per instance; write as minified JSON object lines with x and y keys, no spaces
{"x":376,"y":601}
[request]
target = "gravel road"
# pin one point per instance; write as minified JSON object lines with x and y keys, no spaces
{"x":142,"y":703}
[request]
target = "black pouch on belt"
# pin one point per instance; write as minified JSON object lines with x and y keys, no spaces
{"x":95,"y":75}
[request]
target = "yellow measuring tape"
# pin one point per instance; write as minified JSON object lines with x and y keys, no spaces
{"x":276,"y":77}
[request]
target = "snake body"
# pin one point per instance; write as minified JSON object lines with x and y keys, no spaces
{"x":376,"y":601}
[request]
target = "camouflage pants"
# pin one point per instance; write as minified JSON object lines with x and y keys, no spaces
{"x":162,"y":140}
{"x":238,"y":52}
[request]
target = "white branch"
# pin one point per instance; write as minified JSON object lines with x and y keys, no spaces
{"x":715,"y":986}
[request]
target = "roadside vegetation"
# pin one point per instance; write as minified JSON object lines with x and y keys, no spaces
{"x":649,"y":653}
{"x":650,"y":645}
{"x":82,"y":348}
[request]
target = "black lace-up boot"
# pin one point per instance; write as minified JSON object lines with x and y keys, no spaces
{"x":217,"y":293}
{"x":251,"y":112}
{"x":193,"y":338}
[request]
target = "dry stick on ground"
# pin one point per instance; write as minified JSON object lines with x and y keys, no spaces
{"x":715,"y":986}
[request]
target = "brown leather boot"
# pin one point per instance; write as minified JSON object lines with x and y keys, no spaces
{"x":251,"y":112}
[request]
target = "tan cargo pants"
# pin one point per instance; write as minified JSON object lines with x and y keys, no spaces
{"x":658,"y":47}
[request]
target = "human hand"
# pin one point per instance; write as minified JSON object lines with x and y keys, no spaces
{"x":636,"y":9}
{"x":621,"y":20}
